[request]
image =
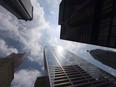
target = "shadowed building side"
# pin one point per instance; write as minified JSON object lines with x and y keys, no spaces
{"x":91,"y":22}
{"x":42,"y":82}
{"x":8,"y":66}
{"x":17,"y":59}
{"x":6,"y":72}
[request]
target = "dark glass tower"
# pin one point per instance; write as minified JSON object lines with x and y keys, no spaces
{"x":8,"y":66}
{"x":65,"y":69}
{"x":89,"y":21}
{"x":104,"y":56}
{"x":22,"y":9}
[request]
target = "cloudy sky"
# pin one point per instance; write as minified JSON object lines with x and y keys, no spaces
{"x":31,"y":36}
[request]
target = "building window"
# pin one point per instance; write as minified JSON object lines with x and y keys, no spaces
{"x":113,"y":31}
{"x":103,"y":34}
{"x":107,"y":6}
{"x":112,"y":41}
{"x":107,"y":1}
{"x":102,"y":40}
{"x":105,"y":23}
{"x":114,"y":21}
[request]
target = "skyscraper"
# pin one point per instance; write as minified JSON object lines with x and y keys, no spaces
{"x":8,"y":66}
{"x":17,"y":59}
{"x":91,"y":21}
{"x":22,"y":9}
{"x":104,"y":56}
{"x":65,"y":69}
{"x":6,"y":72}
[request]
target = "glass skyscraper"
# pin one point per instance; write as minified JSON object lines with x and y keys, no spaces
{"x":22,"y":9}
{"x":65,"y":69}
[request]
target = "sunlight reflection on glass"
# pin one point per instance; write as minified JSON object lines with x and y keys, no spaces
{"x":60,"y":49}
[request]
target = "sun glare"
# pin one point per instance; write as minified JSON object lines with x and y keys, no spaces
{"x":60,"y":49}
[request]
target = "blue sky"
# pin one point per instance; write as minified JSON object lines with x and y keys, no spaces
{"x":31,"y":36}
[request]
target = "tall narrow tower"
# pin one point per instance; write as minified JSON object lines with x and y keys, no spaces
{"x":22,"y":9}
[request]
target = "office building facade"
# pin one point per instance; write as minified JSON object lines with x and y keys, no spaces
{"x":22,"y":9}
{"x":17,"y":59}
{"x":104,"y":56}
{"x":91,"y":22}
{"x":8,"y":66}
{"x":6,"y":72}
{"x":65,"y":69}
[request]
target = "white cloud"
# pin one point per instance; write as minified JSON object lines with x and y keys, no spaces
{"x":31,"y":37}
{"x":8,"y":24}
{"x":5,"y":49}
{"x":54,"y":2}
{"x":52,"y":12}
{"x":38,"y":17}
{"x":26,"y":33}
{"x":25,"y":78}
